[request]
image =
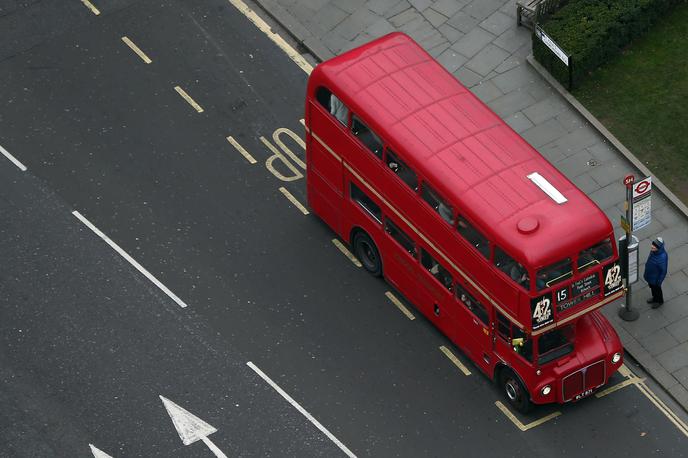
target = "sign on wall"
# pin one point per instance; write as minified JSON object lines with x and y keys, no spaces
{"x":551,"y":44}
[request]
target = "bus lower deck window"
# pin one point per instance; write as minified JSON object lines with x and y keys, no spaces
{"x":366,"y":202}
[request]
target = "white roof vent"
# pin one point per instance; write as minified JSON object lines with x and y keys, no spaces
{"x":547,"y":187}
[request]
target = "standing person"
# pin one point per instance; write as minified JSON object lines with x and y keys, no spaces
{"x":655,"y":271}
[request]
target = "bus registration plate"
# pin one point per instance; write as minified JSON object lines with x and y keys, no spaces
{"x":584,"y":394}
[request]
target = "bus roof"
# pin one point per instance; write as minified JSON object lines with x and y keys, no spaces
{"x":466,"y":151}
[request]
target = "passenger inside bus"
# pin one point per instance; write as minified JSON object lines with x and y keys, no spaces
{"x":335,"y":106}
{"x":519,"y":274}
{"x":338,"y":109}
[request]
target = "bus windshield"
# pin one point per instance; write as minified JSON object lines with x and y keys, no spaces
{"x":595,"y":255}
{"x":555,"y":273}
{"x":555,"y":344}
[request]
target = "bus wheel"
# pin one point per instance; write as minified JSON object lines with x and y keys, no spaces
{"x":515,"y":392}
{"x":366,"y":251}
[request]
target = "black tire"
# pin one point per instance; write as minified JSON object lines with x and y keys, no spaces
{"x":366,"y":251}
{"x":514,"y":391}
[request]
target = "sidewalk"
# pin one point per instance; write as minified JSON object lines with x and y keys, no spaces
{"x":479,"y":42}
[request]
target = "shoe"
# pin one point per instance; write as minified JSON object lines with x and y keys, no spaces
{"x":657,"y":305}
{"x":650,"y":301}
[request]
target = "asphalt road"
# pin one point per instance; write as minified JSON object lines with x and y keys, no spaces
{"x":89,"y":344}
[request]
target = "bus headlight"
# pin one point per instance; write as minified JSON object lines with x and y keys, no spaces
{"x":616,"y":358}
{"x":546,"y":390}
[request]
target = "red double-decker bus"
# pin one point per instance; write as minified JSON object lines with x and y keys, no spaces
{"x":489,"y":241}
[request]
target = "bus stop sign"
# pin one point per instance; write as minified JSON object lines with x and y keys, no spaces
{"x":642,"y":203}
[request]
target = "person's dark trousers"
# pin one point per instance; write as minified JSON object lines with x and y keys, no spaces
{"x":657,"y":296}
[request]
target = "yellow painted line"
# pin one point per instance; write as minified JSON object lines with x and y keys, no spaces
{"x":137,"y":50}
{"x":400,"y":306}
{"x":347,"y":253}
{"x":91,"y":7}
{"x":618,"y":386}
{"x":643,"y":388}
{"x":293,"y":200}
{"x":275,"y":37}
{"x":680,"y":424}
{"x":452,"y":357}
{"x":518,"y":422}
{"x":625,"y":371}
{"x":241,"y":149}
{"x":188,"y":98}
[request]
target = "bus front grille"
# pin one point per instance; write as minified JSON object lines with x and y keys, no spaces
{"x":582,"y":381}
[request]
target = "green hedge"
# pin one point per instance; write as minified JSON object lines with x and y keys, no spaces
{"x":594,"y":31}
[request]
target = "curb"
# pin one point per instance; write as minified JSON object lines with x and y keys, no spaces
{"x":631,"y":345}
{"x":295,"y":29}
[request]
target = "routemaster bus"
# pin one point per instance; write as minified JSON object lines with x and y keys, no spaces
{"x":435,"y":192}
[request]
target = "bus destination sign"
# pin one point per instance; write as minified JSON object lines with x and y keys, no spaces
{"x":581,"y":290}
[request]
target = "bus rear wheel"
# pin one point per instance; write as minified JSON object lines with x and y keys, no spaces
{"x":366,"y":251}
{"x":515,"y":392}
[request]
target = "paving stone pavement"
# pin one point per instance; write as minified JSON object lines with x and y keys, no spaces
{"x":479,"y":42}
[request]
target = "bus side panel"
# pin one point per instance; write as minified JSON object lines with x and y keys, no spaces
{"x":324,"y":170}
{"x":402,"y":271}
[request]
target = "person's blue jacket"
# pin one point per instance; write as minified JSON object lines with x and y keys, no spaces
{"x":656,"y":266}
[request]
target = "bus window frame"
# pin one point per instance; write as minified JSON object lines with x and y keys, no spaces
{"x":425,"y":186}
{"x":328,"y":109}
{"x":509,"y":341}
{"x":524,"y":269}
{"x":387,"y":221}
{"x":442,"y":271}
{"x":356,"y":118}
{"x":571,"y":343}
{"x":362,"y":206}
{"x":460,"y":290}
{"x":402,"y":164}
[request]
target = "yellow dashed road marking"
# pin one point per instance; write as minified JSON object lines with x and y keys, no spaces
{"x":452,"y":357}
{"x":293,"y":200}
{"x":91,"y":7}
{"x":347,"y":253}
{"x":241,"y":149}
{"x":400,"y":306}
{"x":188,"y":98}
{"x":137,"y":50}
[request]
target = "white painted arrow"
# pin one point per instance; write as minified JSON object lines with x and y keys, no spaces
{"x":191,"y":428}
{"x":97,"y":453}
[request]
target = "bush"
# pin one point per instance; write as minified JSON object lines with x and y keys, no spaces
{"x":593,"y":31}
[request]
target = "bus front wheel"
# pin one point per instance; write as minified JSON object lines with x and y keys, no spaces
{"x":366,"y":251}
{"x":515,"y":392}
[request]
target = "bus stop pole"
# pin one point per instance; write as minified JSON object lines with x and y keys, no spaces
{"x":627,"y":312}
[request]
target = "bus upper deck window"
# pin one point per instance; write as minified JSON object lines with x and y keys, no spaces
{"x":366,"y":136}
{"x":437,"y":203}
{"x":595,"y":255}
{"x":398,"y":166}
{"x":332,"y":104}
{"x":512,"y":268}
{"x":552,"y":274}
{"x":474,"y":236}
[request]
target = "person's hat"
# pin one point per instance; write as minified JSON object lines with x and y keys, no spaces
{"x":658,"y":242}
